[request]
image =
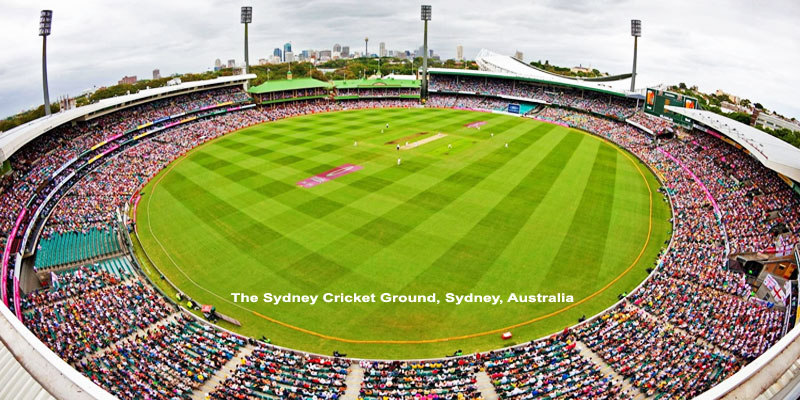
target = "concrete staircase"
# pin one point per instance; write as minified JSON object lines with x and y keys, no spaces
{"x":606,"y":369}
{"x":485,"y":386}
{"x":783,"y":387}
{"x":222,"y":374}
{"x":353,"y":382}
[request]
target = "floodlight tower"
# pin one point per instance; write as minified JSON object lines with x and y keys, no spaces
{"x":636,"y":32}
{"x":247,"y":17}
{"x":426,"y":16}
{"x":45,"y":20}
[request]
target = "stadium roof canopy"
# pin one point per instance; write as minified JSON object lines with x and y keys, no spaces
{"x":774,"y":153}
{"x":293,"y":84}
{"x":376,"y":84}
{"x":13,"y":139}
{"x":500,"y":66}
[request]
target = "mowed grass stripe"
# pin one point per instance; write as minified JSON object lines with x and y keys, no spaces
{"x":459,"y":202}
{"x":276,"y":187}
{"x":536,"y":244}
{"x":297,"y":161}
{"x":427,"y":202}
{"x":232,"y":228}
{"x":472,"y":228}
{"x":219,"y":162}
{"x":466,"y":262}
{"x":631,"y":205}
{"x":383,"y":182}
{"x":588,"y":230}
{"x":371,"y":237}
{"x":451,"y":194}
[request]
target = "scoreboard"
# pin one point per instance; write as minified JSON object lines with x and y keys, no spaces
{"x":657,"y":100}
{"x":513,"y":108}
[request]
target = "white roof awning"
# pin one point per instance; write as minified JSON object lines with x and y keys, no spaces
{"x":493,"y":62}
{"x":774,"y":153}
{"x":14,"y":139}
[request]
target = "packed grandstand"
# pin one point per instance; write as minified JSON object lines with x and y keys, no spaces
{"x":692,"y":324}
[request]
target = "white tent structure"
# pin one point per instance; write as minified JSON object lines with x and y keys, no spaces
{"x":490,"y":61}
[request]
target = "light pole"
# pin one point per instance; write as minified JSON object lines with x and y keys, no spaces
{"x":247,"y":17}
{"x":426,"y":16}
{"x":636,"y":32}
{"x":45,"y":20}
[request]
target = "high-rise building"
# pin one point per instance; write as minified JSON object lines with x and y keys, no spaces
{"x":325,"y":55}
{"x":305,"y":54}
{"x":345,"y":51}
{"x":156,"y":74}
{"x":337,"y":48}
{"x":382,"y":49}
{"x":278,"y":53}
{"x":287,"y":48}
{"x":231,"y":63}
{"x":288,"y":56}
{"x":518,"y":55}
{"x":459,"y":53}
{"x":217,"y":64}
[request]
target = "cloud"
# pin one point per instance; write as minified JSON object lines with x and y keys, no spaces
{"x":743,"y":47}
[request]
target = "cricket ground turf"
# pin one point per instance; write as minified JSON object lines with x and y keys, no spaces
{"x":555,"y":211}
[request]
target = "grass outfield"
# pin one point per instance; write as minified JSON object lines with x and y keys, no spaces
{"x":558,"y":211}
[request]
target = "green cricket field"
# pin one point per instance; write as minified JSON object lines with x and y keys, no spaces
{"x":327,"y":207}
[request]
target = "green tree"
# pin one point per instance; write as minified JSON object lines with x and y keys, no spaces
{"x":25,"y":117}
{"x":317,"y":74}
{"x":741,"y":117}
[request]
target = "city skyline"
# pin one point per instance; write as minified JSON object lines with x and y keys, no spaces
{"x":336,"y":51}
{"x":678,"y":43}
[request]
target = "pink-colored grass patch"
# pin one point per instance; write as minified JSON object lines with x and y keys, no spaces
{"x":317,"y":179}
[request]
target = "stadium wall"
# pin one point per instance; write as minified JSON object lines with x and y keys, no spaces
{"x":758,"y":376}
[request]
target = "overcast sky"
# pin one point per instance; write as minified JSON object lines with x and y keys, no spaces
{"x":748,"y":48}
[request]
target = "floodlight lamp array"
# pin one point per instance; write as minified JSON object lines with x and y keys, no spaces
{"x":45,"y":21}
{"x":636,"y":28}
{"x":426,"y":13}
{"x":247,"y":15}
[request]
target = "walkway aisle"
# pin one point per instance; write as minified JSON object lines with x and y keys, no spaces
{"x":606,"y":370}
{"x":485,"y":386}
{"x":353,"y":382}
{"x":223,"y":373}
